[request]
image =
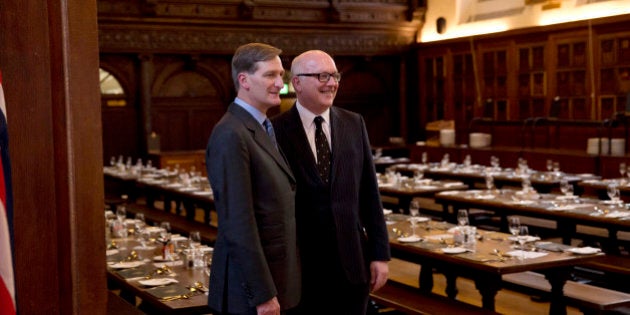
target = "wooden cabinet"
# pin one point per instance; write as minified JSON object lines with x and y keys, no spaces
{"x":546,"y":76}
{"x":614,"y":74}
{"x":185,"y":160}
{"x":532,"y":81}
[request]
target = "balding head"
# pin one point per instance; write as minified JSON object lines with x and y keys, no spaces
{"x":315,"y":95}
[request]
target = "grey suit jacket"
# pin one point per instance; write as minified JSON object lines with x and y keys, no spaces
{"x":255,"y":256}
{"x":357,"y":223}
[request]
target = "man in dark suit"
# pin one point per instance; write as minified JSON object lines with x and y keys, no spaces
{"x":342,"y":236}
{"x":255,"y":266}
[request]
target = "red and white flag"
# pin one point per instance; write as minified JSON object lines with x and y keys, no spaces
{"x":7,"y":279}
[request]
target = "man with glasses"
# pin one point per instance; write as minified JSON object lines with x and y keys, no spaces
{"x":342,"y":237}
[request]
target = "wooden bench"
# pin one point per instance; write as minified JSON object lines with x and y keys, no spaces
{"x":588,"y":298}
{"x":410,"y":300}
{"x":612,"y":270}
{"x":179,"y":224}
{"x":116,"y":305}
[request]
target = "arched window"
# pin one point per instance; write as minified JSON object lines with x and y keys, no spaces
{"x":112,"y":92}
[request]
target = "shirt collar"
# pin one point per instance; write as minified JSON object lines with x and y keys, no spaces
{"x":307,"y":116}
{"x":258,"y":115}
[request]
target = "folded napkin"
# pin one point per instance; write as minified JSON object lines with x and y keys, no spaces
{"x":425,"y":187}
{"x":168,"y":291}
{"x":453,"y":184}
{"x":618,"y":214}
{"x":484,"y":197}
{"x":552,"y":247}
{"x":169,"y":263}
{"x":584,"y":250}
{"x":525,"y":254}
{"x":563,"y":208}
{"x":134,"y":272}
{"x":439,"y":237}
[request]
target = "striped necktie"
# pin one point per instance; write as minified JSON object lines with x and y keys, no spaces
{"x":269,"y":129}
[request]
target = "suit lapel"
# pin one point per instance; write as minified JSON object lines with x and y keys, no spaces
{"x":336,"y":132}
{"x":260,"y":136}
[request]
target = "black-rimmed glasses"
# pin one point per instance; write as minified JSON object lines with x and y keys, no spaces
{"x":322,"y":77}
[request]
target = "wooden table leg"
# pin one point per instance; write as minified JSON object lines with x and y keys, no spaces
{"x":557,"y":278}
{"x":488,"y":286}
{"x":425,"y":278}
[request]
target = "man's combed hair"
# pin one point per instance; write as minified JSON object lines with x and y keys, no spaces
{"x":247,"y":56}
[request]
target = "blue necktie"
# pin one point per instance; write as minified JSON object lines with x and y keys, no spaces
{"x":269,"y":129}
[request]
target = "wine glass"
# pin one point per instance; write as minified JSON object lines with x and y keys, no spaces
{"x":622,"y":169}
{"x":418,"y":175}
{"x":523,"y":235}
{"x":489,"y":181}
{"x":165,"y":239}
{"x":414,"y":211}
{"x":549,"y":165}
{"x":165,"y":232}
{"x":613,"y":191}
{"x":462,"y":217}
{"x":194,"y":239}
{"x":121,"y":213}
{"x":566,"y":188}
{"x":425,"y":158}
{"x":514,"y":225}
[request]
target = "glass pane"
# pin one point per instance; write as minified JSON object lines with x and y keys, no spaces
{"x":109,"y":84}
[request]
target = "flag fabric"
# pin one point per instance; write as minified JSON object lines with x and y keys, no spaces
{"x":7,"y":279}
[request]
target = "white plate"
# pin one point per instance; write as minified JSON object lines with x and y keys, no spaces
{"x":453,"y":250}
{"x":418,"y":219}
{"x":610,"y":202}
{"x":202,"y":193}
{"x":527,"y":240}
{"x":127,"y":264}
{"x":585,"y":250}
{"x":567,"y":197}
{"x":387,"y":211}
{"x":157,"y":282}
{"x":153,"y":229}
{"x":409,"y":239}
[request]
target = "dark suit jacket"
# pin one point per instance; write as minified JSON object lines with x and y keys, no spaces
{"x":348,"y":212}
{"x":255,"y":256}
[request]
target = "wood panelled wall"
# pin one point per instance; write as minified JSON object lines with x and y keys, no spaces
{"x":551,"y":87}
{"x":173,"y":60}
{"x":49,"y":63}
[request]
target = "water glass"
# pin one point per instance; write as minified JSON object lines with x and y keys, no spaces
{"x":613,"y":191}
{"x":194,"y":239}
{"x":523,"y":235}
{"x":121,"y":213}
{"x":462,"y":217}
{"x":514,"y":225}
{"x":489,"y":181}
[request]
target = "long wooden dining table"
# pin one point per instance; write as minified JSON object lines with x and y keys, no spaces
{"x":566,"y":211}
{"x":174,"y":296}
{"x":408,"y":189}
{"x":473,"y":175}
{"x":486,"y":263}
